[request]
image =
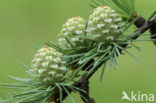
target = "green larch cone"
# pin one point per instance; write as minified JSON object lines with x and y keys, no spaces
{"x":104,"y":24}
{"x":47,"y":65}
{"x":72,"y":28}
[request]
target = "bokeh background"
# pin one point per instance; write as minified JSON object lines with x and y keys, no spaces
{"x":25,"y":24}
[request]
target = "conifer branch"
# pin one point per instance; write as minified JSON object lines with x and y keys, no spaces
{"x":83,"y":83}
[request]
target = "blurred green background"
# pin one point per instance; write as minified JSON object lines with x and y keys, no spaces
{"x":26,"y":23}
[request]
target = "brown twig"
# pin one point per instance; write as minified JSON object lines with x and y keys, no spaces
{"x":153,"y":32}
{"x":83,"y":83}
{"x":85,"y":96}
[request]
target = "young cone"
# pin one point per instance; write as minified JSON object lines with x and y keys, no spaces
{"x":48,"y":66}
{"x":72,"y":28}
{"x":104,"y":24}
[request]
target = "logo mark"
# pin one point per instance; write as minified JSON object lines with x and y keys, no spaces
{"x":140,"y":97}
{"x":125,"y":96}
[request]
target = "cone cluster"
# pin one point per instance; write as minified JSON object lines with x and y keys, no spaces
{"x":104,"y":25}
